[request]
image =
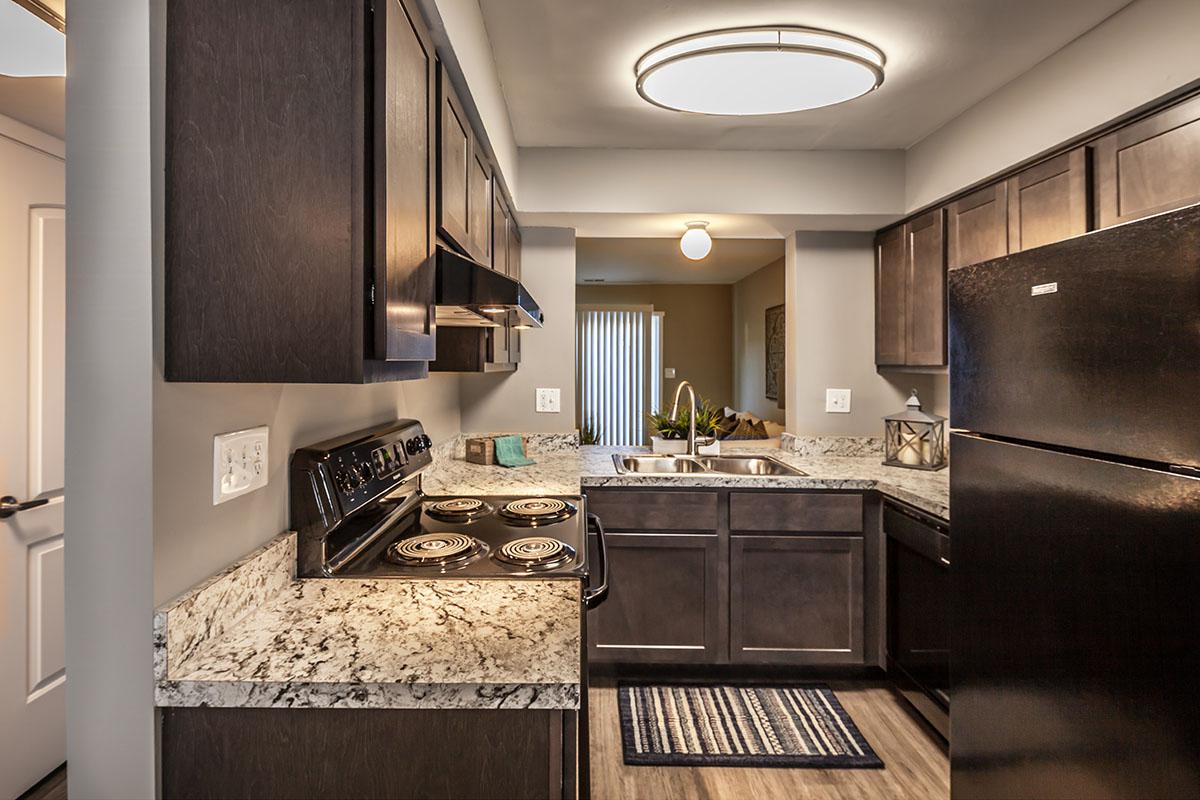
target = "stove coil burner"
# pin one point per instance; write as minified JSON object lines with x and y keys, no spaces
{"x":535,"y":552}
{"x":445,"y":550}
{"x":538,"y":510}
{"x":459,"y":509}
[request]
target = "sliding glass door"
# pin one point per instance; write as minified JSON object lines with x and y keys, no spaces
{"x":618,"y":369}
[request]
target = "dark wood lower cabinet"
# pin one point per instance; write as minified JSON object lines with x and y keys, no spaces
{"x":367,"y":753}
{"x":796,"y":600}
{"x":666,"y":604}
{"x":724,"y":576}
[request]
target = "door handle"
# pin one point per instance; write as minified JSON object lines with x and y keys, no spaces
{"x":9,"y":505}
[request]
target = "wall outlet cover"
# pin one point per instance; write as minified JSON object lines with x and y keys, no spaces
{"x":239,"y":463}
{"x":837,"y":401}
{"x":549,"y":401}
{"x":668,"y":372}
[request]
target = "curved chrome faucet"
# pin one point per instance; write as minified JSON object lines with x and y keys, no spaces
{"x":691,"y":440}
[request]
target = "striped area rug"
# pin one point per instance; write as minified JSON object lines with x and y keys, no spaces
{"x":740,"y":726}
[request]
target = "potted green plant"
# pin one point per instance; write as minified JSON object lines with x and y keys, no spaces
{"x":669,"y":437}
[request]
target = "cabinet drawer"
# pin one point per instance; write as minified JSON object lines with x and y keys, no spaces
{"x":655,"y":511}
{"x":815,"y":513}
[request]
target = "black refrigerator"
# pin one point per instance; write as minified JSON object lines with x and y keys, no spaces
{"x":1075,"y":489}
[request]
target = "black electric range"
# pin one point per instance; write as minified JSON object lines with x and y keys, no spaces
{"x":358,"y":510}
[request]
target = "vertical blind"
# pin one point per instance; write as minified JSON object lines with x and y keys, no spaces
{"x":613,"y":353}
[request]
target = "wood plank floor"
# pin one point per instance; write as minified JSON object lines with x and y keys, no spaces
{"x":915,"y":765}
{"x":52,"y":787}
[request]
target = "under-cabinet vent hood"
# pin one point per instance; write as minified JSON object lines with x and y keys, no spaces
{"x":471,"y":295}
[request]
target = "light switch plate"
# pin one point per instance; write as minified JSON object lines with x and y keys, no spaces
{"x":837,"y":401}
{"x":239,"y":463}
{"x":548,"y":401}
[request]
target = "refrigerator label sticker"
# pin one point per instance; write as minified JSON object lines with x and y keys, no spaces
{"x":1044,"y":288}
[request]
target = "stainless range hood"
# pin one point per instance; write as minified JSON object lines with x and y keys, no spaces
{"x":469,"y":295}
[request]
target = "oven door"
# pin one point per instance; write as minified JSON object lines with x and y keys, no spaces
{"x":918,"y":614}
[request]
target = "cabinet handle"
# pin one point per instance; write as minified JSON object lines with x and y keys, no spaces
{"x":944,"y":560}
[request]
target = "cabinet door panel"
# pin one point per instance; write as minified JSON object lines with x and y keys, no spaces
{"x":406,"y":102}
{"x":499,"y":233}
{"x":666,"y":606}
{"x":926,"y":291}
{"x":977,"y":226}
{"x":514,"y":250}
{"x":1149,"y":166}
{"x":890,"y":297}
{"x":454,"y":157}
{"x":1049,"y":202}
{"x":796,"y":599}
{"x":479,"y":227}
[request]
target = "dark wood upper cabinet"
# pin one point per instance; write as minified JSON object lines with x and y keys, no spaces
{"x":891,"y":303}
{"x":977,"y":227}
{"x":298,"y":240}
{"x":514,"y":249}
{"x":454,"y":166}
{"x":926,"y":290}
{"x":1049,"y":201}
{"x":479,"y":189}
{"x":405,"y":166}
{"x":500,"y":223}
{"x":796,"y":599}
{"x":1149,"y":166}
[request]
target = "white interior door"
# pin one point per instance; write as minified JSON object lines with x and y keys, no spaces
{"x":32,"y":341}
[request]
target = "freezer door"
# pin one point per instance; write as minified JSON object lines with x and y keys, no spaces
{"x":1075,"y":653}
{"x":1092,"y":343}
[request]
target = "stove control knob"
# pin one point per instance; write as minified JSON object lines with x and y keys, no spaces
{"x":426,"y":441}
{"x":365,"y":473}
{"x":414,"y":445}
{"x":343,"y":481}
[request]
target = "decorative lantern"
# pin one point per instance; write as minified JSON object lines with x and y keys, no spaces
{"x":914,"y":439}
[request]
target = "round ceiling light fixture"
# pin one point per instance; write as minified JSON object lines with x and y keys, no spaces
{"x":695,"y":242}
{"x":774,"y":69}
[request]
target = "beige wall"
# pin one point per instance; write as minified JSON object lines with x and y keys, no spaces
{"x":752,"y":296}
{"x":110,"y":473}
{"x":831,"y":339}
{"x":697,"y":330}
{"x":192,"y":537}
{"x":505,"y":401}
{"x":1145,"y":50}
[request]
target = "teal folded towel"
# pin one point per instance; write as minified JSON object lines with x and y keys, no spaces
{"x":510,"y":452}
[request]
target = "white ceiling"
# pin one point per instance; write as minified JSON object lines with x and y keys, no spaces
{"x":659,"y":260}
{"x":566,"y":66}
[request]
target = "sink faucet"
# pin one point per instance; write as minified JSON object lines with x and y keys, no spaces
{"x":691,"y":440}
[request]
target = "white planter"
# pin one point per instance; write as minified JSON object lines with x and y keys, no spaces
{"x":668,"y":446}
{"x":713,"y":449}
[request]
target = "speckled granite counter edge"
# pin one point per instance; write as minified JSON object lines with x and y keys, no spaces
{"x":265,"y":694}
{"x":215,"y":605}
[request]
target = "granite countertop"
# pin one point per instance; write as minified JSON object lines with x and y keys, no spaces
{"x":570,"y":470}
{"x":254,"y":636}
{"x":928,"y":491}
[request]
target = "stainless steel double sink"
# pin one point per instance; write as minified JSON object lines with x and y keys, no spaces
{"x":705,"y":465}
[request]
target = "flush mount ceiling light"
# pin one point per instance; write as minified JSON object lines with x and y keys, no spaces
{"x":30,"y":46}
{"x":696,"y":243}
{"x":772,"y":69}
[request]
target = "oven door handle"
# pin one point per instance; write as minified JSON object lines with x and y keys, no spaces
{"x":595,"y":596}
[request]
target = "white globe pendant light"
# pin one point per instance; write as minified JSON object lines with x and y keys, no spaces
{"x":696,"y":243}
{"x":774,"y":69}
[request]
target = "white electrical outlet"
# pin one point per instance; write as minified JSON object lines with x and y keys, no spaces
{"x":837,"y":401}
{"x":548,"y":401}
{"x":669,"y":373}
{"x":239,"y":463}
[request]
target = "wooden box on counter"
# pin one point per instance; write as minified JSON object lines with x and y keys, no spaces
{"x":483,"y":450}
